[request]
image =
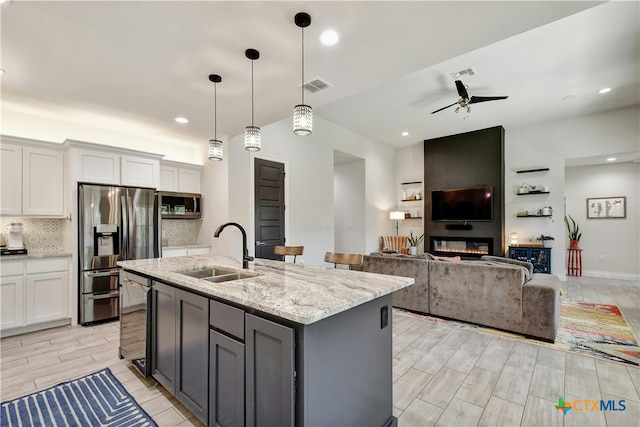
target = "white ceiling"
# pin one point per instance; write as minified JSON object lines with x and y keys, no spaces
{"x":149,"y":61}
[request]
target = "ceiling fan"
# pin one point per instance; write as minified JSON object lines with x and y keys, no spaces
{"x":465,"y":101}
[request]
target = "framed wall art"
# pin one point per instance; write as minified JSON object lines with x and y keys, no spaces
{"x":607,"y":207}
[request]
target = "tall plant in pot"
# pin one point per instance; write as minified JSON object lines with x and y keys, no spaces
{"x":574,"y":232}
{"x":414,"y":241}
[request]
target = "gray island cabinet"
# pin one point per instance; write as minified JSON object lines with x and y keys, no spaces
{"x":282,"y":345}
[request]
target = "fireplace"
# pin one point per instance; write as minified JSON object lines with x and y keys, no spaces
{"x":466,"y":247}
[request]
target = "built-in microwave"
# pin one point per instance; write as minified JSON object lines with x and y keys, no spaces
{"x":180,"y":205}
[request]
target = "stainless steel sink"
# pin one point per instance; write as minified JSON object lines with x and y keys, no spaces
{"x":218,"y":274}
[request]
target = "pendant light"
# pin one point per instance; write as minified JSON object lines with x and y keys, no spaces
{"x":252,"y":133}
{"x":215,"y":145}
{"x":302,"y":113}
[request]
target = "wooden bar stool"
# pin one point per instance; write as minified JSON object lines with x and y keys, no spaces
{"x":289,"y":250}
{"x":574,"y":264}
{"x":351,"y":260}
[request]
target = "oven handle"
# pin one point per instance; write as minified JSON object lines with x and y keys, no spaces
{"x":104,"y":296}
{"x":104,"y":274}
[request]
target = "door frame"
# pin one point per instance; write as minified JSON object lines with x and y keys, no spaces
{"x":251,"y":232}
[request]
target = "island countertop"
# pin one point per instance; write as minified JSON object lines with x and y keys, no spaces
{"x":298,"y":293}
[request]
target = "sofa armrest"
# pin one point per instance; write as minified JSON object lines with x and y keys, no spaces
{"x":414,"y":297}
{"x":525,"y":264}
{"x":541,"y":307}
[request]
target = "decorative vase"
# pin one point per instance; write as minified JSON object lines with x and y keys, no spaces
{"x":413,"y":250}
{"x":574,"y":244}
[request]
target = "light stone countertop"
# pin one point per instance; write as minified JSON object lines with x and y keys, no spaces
{"x":36,"y":255}
{"x":301,"y":294}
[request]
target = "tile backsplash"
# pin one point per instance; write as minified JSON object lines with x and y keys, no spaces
{"x":39,"y":234}
{"x":179,"y":232}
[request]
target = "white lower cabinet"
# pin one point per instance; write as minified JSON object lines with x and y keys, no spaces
{"x":34,"y":291}
{"x":12,"y":300}
{"x":46,"y":297}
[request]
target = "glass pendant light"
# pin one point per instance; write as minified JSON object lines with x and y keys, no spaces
{"x":302,"y":113}
{"x":252,"y":133}
{"x":215,"y":145}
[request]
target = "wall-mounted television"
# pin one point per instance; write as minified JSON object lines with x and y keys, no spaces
{"x":462,"y":204}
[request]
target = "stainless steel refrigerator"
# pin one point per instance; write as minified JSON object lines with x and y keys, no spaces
{"x":115,"y":223}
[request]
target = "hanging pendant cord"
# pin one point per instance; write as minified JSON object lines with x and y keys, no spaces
{"x":252,"y":92}
{"x":302,"y":83}
{"x":215,"y":111}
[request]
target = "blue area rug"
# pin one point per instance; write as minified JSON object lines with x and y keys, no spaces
{"x":95,"y":400}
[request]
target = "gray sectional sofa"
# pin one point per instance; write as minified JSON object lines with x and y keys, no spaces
{"x":493,"y":291}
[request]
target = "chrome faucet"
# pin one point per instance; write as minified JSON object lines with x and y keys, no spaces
{"x":245,"y":252}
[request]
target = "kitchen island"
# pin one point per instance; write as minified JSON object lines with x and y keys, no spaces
{"x":278,"y":344}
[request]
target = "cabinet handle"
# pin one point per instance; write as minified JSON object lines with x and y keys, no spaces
{"x":259,"y":243}
{"x":104,"y":274}
{"x":104,"y":296}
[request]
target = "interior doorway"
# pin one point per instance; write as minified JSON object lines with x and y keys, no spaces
{"x":349,"y":203}
{"x":269,"y":207}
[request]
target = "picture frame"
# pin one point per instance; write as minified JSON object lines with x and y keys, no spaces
{"x":179,"y":209}
{"x":607,"y":207}
{"x":164,"y":209}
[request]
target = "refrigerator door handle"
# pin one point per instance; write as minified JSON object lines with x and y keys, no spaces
{"x":104,"y":274}
{"x":124,"y":225}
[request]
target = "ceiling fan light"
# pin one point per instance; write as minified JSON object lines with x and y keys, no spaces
{"x":215,"y":149}
{"x":302,"y":120}
{"x":252,"y":140}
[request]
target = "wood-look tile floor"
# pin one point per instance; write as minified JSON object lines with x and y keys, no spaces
{"x":442,"y":375}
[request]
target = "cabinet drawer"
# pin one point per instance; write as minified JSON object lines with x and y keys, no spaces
{"x":12,"y":268}
{"x":226,"y":318}
{"x":47,"y":264}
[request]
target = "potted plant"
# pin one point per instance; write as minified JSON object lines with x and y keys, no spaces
{"x":542,"y":238}
{"x":414,"y":241}
{"x":574,"y":232}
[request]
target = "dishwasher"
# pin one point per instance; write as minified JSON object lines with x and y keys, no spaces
{"x":135,"y":321}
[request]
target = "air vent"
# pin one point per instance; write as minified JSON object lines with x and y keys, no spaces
{"x":468,"y":73}
{"x":316,"y":85}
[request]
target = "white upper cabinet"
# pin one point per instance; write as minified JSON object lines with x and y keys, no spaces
{"x":101,"y":164}
{"x":11,"y":176}
{"x":140,"y":172}
{"x":180,"y":177}
{"x":99,"y":167}
{"x":42,"y":182}
{"x":32,"y":178}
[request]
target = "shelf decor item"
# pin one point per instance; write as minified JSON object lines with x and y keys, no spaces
{"x":607,"y":207}
{"x":542,"y":238}
{"x":574,"y":232}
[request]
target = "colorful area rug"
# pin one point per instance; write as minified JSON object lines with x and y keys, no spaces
{"x":95,"y":400}
{"x":598,"y":330}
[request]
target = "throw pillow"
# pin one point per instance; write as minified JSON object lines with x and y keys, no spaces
{"x":524,"y":264}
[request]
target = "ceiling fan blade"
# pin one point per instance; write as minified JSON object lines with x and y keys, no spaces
{"x":444,"y":108}
{"x":462,"y":91}
{"x":476,"y":99}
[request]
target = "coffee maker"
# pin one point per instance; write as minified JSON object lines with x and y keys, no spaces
{"x":15,"y":244}
{"x":14,"y":240}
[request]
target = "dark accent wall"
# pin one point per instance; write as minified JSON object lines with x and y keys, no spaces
{"x":470,"y":159}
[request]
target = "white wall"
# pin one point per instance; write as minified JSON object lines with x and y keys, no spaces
{"x":27,"y":118}
{"x":309,"y":216}
{"x":549,"y":144}
{"x":349,"y":207}
{"x":611,"y":247}
{"x":409,"y":168}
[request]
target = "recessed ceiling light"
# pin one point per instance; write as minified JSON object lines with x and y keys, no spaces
{"x":605,"y":90}
{"x":611,"y":159}
{"x":405,"y":133}
{"x":181,"y":120}
{"x":329,"y":37}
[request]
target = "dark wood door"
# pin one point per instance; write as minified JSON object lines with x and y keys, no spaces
{"x":269,"y":207}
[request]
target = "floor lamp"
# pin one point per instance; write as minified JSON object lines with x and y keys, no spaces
{"x":397,"y":216}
